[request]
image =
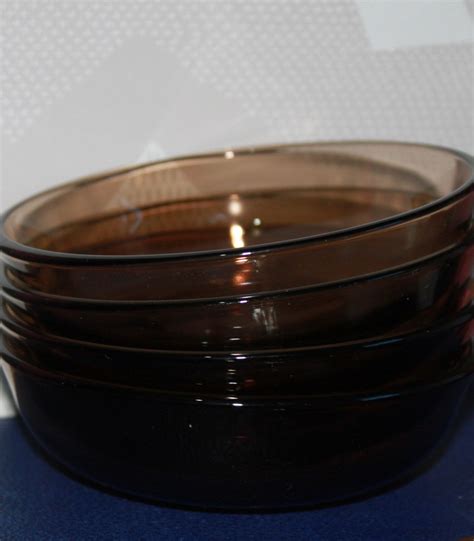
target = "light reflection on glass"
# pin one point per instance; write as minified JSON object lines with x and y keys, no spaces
{"x":238,"y":279}
{"x":235,"y":206}
{"x":237,"y":232}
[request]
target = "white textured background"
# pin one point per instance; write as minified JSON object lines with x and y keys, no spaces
{"x":89,"y":85}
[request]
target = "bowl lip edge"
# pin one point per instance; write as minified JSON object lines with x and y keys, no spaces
{"x":29,"y":253}
{"x":459,"y":319}
{"x":412,"y":266}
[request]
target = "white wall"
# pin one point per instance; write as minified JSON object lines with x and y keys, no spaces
{"x":89,"y":85}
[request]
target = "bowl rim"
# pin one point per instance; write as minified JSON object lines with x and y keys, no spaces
{"x":238,"y":398}
{"x":23,"y":251}
{"x":300,"y":401}
{"x":68,"y":302}
{"x":463,"y":317}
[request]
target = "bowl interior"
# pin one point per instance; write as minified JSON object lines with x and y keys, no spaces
{"x":237,"y":199}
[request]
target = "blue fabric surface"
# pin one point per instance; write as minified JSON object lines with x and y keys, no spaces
{"x":39,"y":502}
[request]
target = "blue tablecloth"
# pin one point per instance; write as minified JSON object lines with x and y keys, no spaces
{"x":39,"y":502}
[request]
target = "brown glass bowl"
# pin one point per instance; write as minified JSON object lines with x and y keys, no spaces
{"x":241,"y":222}
{"x":373,"y":366}
{"x":343,"y":270}
{"x":387,"y":303}
{"x":258,"y":430}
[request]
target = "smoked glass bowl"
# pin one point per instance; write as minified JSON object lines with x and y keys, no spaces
{"x":382,"y":304}
{"x":240,"y":222}
{"x":251,"y":329}
{"x":256,"y":430}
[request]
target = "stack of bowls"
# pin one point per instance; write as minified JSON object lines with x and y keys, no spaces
{"x":261,"y":328}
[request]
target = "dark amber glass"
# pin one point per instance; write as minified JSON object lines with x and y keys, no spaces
{"x":369,"y":367}
{"x":240,"y":223}
{"x":276,"y":454}
{"x":254,"y":329}
{"x":264,"y":430}
{"x":414,"y":296}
